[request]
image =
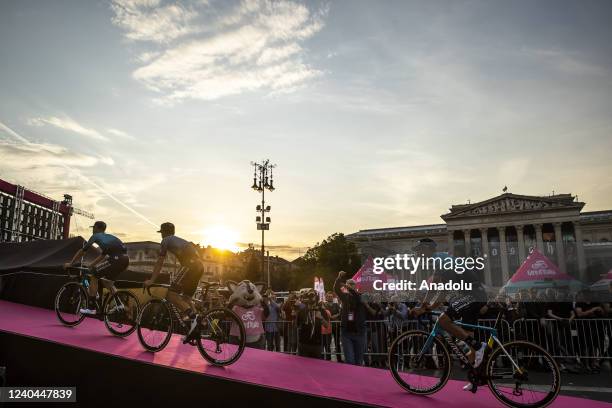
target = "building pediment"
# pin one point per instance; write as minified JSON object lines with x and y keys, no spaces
{"x":509,"y":203}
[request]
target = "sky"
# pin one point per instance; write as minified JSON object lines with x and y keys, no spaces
{"x":377,"y":114}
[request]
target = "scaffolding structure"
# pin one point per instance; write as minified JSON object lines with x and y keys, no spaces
{"x":26,"y":215}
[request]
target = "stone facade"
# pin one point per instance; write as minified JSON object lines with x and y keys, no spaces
{"x":504,"y":229}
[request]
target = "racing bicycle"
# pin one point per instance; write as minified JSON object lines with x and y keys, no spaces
{"x":219,"y":335}
{"x":518,"y":373}
{"x":119,"y":311}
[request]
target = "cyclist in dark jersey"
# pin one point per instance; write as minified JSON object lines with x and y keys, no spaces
{"x":464,"y":305}
{"x":188,"y":277}
{"x":112,"y":261}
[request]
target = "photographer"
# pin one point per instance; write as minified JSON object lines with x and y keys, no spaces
{"x":310,"y":319}
{"x":353,"y":319}
{"x":397,"y":313}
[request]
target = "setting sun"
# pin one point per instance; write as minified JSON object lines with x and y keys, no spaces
{"x":221,"y":237}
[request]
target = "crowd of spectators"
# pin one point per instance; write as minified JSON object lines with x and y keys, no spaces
{"x":358,"y":328}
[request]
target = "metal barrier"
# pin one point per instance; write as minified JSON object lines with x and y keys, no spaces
{"x":578,"y":339}
{"x":565,"y":339}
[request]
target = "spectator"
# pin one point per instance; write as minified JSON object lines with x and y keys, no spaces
{"x":353,"y":319}
{"x":560,"y":310}
{"x":326,"y":332}
{"x":377,"y":333}
{"x":272,"y":322}
{"x":397,"y":314}
{"x":289,"y":327}
{"x":591,"y":333}
{"x":310,"y":319}
{"x":331,"y":304}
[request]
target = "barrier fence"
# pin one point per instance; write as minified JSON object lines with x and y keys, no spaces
{"x":579,"y":339}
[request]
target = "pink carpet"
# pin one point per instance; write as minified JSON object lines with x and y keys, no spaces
{"x":276,"y":370}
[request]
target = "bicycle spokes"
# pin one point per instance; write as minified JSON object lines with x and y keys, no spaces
{"x":419,"y":363}
{"x":221,"y":337}
{"x":121,"y":313}
{"x":69,"y":301}
{"x":523,"y":374}
{"x":155,"y":326}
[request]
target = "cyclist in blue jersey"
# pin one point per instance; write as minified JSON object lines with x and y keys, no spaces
{"x":188,"y":277}
{"x":464,"y":305}
{"x":107,"y":266}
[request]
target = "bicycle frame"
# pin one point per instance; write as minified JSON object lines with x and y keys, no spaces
{"x":437,"y":330}
{"x":174,"y":309}
{"x":84,"y":278}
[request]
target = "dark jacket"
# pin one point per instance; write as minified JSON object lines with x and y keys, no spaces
{"x":351,"y":303}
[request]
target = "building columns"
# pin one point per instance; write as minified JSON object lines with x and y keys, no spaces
{"x":468,"y":243}
{"x":559,"y":247}
{"x":485,"y":249}
{"x":539,"y":239}
{"x":451,"y":242}
{"x":580,"y":252}
{"x":503,"y":254}
{"x":521,"y":242}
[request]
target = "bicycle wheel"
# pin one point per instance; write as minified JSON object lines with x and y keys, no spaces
{"x":121,"y":313}
{"x":522,"y":374}
{"x":69,"y":300}
{"x":155,"y":325}
{"x":419,"y":363}
{"x":222,"y":337}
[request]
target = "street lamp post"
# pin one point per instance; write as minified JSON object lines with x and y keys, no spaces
{"x":263,"y":180}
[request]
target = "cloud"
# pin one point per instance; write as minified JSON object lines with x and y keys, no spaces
{"x":568,"y":62}
{"x":67,"y":124}
{"x":256,"y":45}
{"x":42,"y":155}
{"x":120,"y":133}
{"x":148,"y":20}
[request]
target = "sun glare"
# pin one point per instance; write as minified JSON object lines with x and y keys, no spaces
{"x":221,"y":237}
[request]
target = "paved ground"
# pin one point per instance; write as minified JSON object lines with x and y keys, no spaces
{"x":592,"y":386}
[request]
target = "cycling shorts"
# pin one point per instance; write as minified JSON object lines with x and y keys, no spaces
{"x":188,"y":278}
{"x":111,"y":267}
{"x":466,"y":307}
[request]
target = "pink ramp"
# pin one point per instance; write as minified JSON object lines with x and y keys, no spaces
{"x":275,"y":370}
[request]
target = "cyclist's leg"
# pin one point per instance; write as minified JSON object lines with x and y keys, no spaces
{"x":110,"y":269}
{"x":185,"y":287}
{"x":446,"y":322}
{"x":468,"y":311}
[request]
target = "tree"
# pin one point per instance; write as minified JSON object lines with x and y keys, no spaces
{"x":325,"y":259}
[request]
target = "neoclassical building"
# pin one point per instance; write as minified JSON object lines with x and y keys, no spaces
{"x":504,"y":229}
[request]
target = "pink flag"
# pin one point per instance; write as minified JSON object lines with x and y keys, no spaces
{"x":364,"y":278}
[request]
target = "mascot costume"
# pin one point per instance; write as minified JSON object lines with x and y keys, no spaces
{"x":246,"y":301}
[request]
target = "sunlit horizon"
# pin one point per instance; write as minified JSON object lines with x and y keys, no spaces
{"x":221,"y":237}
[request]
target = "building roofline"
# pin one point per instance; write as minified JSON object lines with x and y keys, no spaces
{"x":398,"y":229}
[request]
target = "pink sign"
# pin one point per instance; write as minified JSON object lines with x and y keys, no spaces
{"x":538,"y":267}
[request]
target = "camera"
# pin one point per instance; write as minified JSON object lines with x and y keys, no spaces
{"x":310,"y":299}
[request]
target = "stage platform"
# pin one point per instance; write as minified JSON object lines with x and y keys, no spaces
{"x":38,"y":350}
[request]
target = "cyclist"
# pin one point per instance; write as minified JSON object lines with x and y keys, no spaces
{"x":186,"y":282}
{"x":464,"y":305}
{"x":107,"y":266}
